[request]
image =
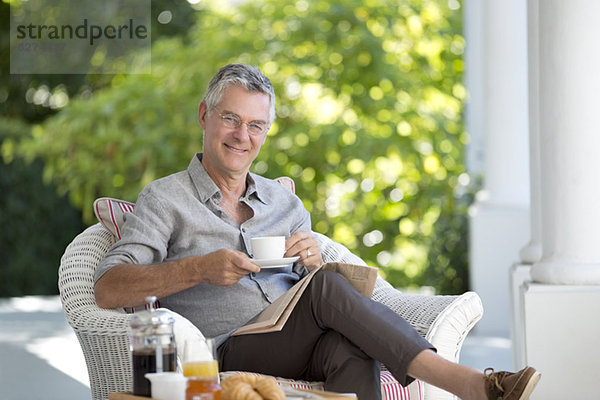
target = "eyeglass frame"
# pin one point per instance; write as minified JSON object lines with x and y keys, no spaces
{"x":239,"y":123}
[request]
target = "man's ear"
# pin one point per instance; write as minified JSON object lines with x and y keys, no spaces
{"x":202,"y":114}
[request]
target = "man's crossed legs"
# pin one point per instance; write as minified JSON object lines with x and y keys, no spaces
{"x":335,"y":335}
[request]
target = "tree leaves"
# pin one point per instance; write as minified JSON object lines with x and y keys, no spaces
{"x":369,"y":123}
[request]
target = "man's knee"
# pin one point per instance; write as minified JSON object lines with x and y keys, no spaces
{"x":325,"y":278}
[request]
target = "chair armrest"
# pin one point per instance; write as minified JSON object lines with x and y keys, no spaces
{"x":443,"y":320}
{"x":76,"y":285}
{"x":99,"y":321}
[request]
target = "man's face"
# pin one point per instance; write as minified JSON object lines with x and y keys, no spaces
{"x":229,"y":152}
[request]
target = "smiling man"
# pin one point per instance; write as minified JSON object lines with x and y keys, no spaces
{"x":187,"y":243}
{"x":229,"y":150}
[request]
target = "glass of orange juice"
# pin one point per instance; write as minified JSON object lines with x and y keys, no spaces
{"x":202,"y":371}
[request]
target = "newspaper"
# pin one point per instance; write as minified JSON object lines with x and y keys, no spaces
{"x":274,"y":317}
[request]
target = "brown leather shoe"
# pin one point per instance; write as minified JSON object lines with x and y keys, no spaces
{"x":510,"y":385}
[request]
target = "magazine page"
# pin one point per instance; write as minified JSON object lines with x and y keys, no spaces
{"x":363,"y":278}
{"x":273,"y":318}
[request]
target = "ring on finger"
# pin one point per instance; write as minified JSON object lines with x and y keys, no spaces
{"x":308,"y":253}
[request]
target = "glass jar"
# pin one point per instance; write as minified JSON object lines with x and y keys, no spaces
{"x":153,"y":346}
{"x":201,"y":370}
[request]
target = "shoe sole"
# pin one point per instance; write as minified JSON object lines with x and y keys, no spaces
{"x":533,"y":381}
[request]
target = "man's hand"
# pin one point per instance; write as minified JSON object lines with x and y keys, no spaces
{"x":127,"y":285}
{"x":304,"y":245}
{"x":225,"y":267}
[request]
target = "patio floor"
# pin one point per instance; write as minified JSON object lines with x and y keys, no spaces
{"x":40,"y":357}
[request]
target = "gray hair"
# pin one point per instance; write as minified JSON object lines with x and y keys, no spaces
{"x":246,"y":76}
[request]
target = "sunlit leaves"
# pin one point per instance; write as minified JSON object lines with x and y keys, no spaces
{"x":369,"y":104}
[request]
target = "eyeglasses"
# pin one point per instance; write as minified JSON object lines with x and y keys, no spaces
{"x":231,"y":120}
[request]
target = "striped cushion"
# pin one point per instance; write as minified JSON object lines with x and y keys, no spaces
{"x":390,"y":388}
{"x":110,"y":213}
{"x":287,"y":183}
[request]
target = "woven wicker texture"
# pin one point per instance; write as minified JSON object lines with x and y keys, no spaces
{"x":102,"y":334}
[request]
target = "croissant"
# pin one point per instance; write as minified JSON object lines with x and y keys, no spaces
{"x":240,"y":378}
{"x":269,"y":389}
{"x":251,"y":387}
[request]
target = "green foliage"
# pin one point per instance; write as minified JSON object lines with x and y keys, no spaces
{"x":33,"y":97}
{"x":369,"y":124}
{"x":36,"y":224}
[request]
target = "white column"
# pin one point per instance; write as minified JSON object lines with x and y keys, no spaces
{"x":500,"y":217}
{"x":570,"y":142}
{"x":532,"y":252}
{"x":474,"y":79}
{"x":560,"y":308}
{"x":520,"y":272}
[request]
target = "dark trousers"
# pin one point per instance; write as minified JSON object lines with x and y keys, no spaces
{"x":334,"y":335}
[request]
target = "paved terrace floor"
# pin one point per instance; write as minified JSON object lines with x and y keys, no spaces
{"x":40,"y":357}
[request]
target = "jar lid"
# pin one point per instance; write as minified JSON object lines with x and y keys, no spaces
{"x":151,"y":318}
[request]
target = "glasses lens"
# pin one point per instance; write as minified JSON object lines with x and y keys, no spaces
{"x":231,"y":121}
{"x":256,"y":129}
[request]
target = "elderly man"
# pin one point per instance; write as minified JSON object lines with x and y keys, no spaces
{"x":188,"y":243}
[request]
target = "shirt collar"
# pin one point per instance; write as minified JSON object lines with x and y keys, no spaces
{"x":256,"y":186}
{"x":207,"y":188}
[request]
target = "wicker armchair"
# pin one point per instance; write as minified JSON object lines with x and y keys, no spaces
{"x":443,"y":320}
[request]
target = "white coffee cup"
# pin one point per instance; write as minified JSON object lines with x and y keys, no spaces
{"x":268,"y":247}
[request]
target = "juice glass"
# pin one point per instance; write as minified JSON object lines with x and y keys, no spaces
{"x":202,"y":371}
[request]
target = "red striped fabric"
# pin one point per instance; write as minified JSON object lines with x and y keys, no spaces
{"x":125,"y":207}
{"x":392,"y":390}
{"x":287,"y":183}
{"x":110,"y":213}
{"x":113,"y":219}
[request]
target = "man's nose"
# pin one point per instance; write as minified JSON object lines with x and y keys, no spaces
{"x":242,"y":131}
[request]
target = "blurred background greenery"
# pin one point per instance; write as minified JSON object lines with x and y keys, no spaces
{"x":370,"y":126}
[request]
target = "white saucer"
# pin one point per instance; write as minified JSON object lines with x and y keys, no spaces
{"x":275,"y":262}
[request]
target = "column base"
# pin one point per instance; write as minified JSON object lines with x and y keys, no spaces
{"x":562,"y":272}
{"x":531,"y":253}
{"x":519,"y":275}
{"x":561,"y":333}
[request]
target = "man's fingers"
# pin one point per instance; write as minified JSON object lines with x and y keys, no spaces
{"x":297,"y":237}
{"x":304,"y":245}
{"x":301,"y":244}
{"x":226,"y":267}
{"x":243,"y":263}
{"x":298,"y":242}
